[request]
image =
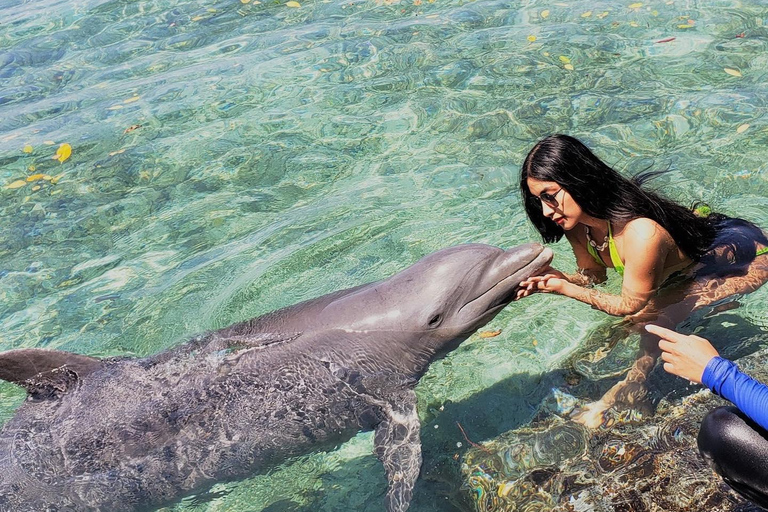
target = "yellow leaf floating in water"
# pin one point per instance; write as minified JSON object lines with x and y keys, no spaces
{"x":16,"y":184}
{"x":687,"y":25}
{"x":27,"y":148}
{"x":36,"y":188}
{"x":742,"y":128}
{"x":569,"y":67}
{"x":531,"y":38}
{"x":587,"y":14}
{"x":545,"y":14}
{"x":490,"y":334}
{"x":564,"y":59}
{"x":132,"y":99}
{"x":36,"y":177}
{"x":56,"y":179}
{"x":732,"y":72}
{"x":64,"y":152}
{"x":636,"y":5}
{"x":293,"y":3}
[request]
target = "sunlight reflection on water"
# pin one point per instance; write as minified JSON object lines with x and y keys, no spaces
{"x":230,"y":158}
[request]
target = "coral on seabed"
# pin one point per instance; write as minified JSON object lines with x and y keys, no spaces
{"x":634,"y":465}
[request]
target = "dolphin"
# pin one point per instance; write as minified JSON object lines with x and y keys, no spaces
{"x":125,"y":434}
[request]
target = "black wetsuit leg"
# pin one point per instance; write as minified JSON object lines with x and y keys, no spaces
{"x":737,"y":449}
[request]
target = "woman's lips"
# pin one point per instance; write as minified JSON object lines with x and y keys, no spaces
{"x":560,"y":220}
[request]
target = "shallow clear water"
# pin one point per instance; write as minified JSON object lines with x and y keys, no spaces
{"x":230,"y":158}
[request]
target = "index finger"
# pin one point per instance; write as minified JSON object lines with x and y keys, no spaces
{"x":667,"y":334}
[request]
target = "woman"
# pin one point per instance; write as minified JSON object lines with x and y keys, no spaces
{"x":734,"y":440}
{"x":613,"y":222}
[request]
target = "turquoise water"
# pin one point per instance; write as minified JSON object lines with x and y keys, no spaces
{"x":230,"y":158}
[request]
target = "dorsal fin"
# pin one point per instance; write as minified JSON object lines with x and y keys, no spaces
{"x":259,"y":341}
{"x":45,"y":373}
{"x":219,"y":341}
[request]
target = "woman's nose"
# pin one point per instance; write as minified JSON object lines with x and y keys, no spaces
{"x":546,"y":209}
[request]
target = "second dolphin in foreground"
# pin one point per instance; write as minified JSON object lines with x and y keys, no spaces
{"x":134,"y":433}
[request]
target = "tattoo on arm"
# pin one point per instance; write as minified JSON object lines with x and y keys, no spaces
{"x":618,"y":305}
{"x":585,"y":277}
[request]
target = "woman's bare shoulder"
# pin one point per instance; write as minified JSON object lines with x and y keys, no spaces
{"x":645,"y":229}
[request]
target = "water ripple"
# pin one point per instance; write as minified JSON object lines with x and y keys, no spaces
{"x":232,"y":157}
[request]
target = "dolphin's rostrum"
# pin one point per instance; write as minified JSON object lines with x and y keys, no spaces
{"x":132,"y":434}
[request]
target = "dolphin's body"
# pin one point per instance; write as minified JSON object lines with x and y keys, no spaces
{"x":131,"y":434}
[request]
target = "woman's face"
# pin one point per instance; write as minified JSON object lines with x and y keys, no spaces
{"x":556,"y":203}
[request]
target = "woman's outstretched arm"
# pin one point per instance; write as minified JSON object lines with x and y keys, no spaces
{"x":645,"y":249}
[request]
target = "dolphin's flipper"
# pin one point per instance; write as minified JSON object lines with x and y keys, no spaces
{"x":45,"y":373}
{"x":398,"y":446}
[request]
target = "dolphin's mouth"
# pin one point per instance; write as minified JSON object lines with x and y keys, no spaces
{"x":504,"y":291}
{"x":511,"y":282}
{"x":503,"y":300}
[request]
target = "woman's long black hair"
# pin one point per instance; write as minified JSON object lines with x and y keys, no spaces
{"x":603,"y":193}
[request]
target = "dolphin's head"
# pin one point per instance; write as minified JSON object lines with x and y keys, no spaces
{"x":464,"y":287}
{"x":445,"y":296}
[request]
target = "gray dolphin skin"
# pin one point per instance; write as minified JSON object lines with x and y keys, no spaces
{"x":138,"y":433}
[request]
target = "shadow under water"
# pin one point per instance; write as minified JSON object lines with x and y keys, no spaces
{"x":636,"y":461}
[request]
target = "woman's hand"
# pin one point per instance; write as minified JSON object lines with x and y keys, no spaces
{"x":550,"y":280}
{"x":684,"y":355}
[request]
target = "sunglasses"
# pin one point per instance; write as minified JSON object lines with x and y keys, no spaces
{"x":548,"y":198}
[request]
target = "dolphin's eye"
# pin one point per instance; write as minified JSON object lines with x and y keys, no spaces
{"x":435,"y":320}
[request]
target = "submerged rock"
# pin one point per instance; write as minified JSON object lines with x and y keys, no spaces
{"x":633,"y":464}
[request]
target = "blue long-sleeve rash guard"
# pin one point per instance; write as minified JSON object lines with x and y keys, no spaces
{"x":724,"y":378}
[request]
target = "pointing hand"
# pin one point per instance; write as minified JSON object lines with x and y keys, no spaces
{"x":684,"y":355}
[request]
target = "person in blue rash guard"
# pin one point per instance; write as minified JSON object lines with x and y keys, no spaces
{"x":733,"y":440}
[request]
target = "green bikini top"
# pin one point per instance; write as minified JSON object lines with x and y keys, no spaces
{"x":615,"y":258}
